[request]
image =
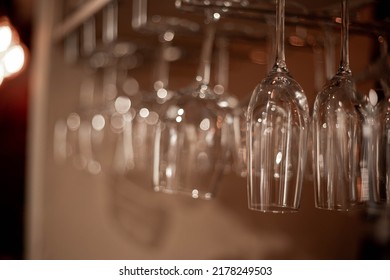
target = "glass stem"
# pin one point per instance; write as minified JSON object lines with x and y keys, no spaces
{"x":139,"y":17}
{"x":204,"y":70}
{"x":223,"y":63}
{"x":344,"y":62}
{"x":89,"y":36}
{"x":280,"y":63}
{"x":110,"y":23}
{"x":162,"y":67}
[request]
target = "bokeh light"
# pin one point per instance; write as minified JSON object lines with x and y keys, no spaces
{"x":13,"y":60}
{"x":12,"y":53}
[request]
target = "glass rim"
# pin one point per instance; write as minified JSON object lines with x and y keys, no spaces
{"x":272,"y":208}
{"x":199,"y":194}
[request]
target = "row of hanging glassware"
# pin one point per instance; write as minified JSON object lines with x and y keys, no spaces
{"x":182,"y":141}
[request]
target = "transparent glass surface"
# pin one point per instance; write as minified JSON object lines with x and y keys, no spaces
{"x":372,"y":161}
{"x":336,"y":146}
{"x":386,"y":135}
{"x":80,"y":137}
{"x":337,"y":136}
{"x":373,"y":84}
{"x":276,"y":139}
{"x":277,"y":131}
{"x":138,"y":140}
{"x":189,"y":154}
{"x":190,"y":149}
{"x":133,"y":122}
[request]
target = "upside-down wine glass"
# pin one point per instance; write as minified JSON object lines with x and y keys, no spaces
{"x":140,"y":125}
{"x":337,"y":136}
{"x":385,"y":83}
{"x":189,"y":156}
{"x":374,"y":83}
{"x":85,"y":134}
{"x":67,"y":145}
{"x":277,"y":129}
{"x":82,"y":130}
{"x":140,"y":122}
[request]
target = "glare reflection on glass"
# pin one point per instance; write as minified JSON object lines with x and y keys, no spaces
{"x":98,"y":122}
{"x":144,"y":112}
{"x":73,"y":121}
{"x":122,"y":104}
{"x":162,"y":93}
{"x":195,"y":193}
{"x":168,"y":36}
{"x":205,"y":124}
{"x":279,"y":157}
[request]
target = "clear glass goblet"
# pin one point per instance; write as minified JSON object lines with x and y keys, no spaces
{"x":189,"y":155}
{"x":337,"y":136}
{"x":374,"y":84}
{"x":277,"y":129}
{"x":141,"y":121}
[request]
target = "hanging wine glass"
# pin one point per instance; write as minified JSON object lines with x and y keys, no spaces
{"x":110,"y":23}
{"x":137,"y":136}
{"x":385,"y":84}
{"x":337,"y":136}
{"x":119,"y":89}
{"x":140,"y":123}
{"x":189,"y":155}
{"x":86,"y":132}
{"x":373,"y":83}
{"x":240,"y":119}
{"x":66,"y":136}
{"x":94,"y":136}
{"x":97,"y":131}
{"x":67,"y":142}
{"x":277,"y":128}
{"x":76,"y":137}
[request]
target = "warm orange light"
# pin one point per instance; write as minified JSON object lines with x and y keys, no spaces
{"x":12,"y":53}
{"x":5,"y":37}
{"x":13,"y":60}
